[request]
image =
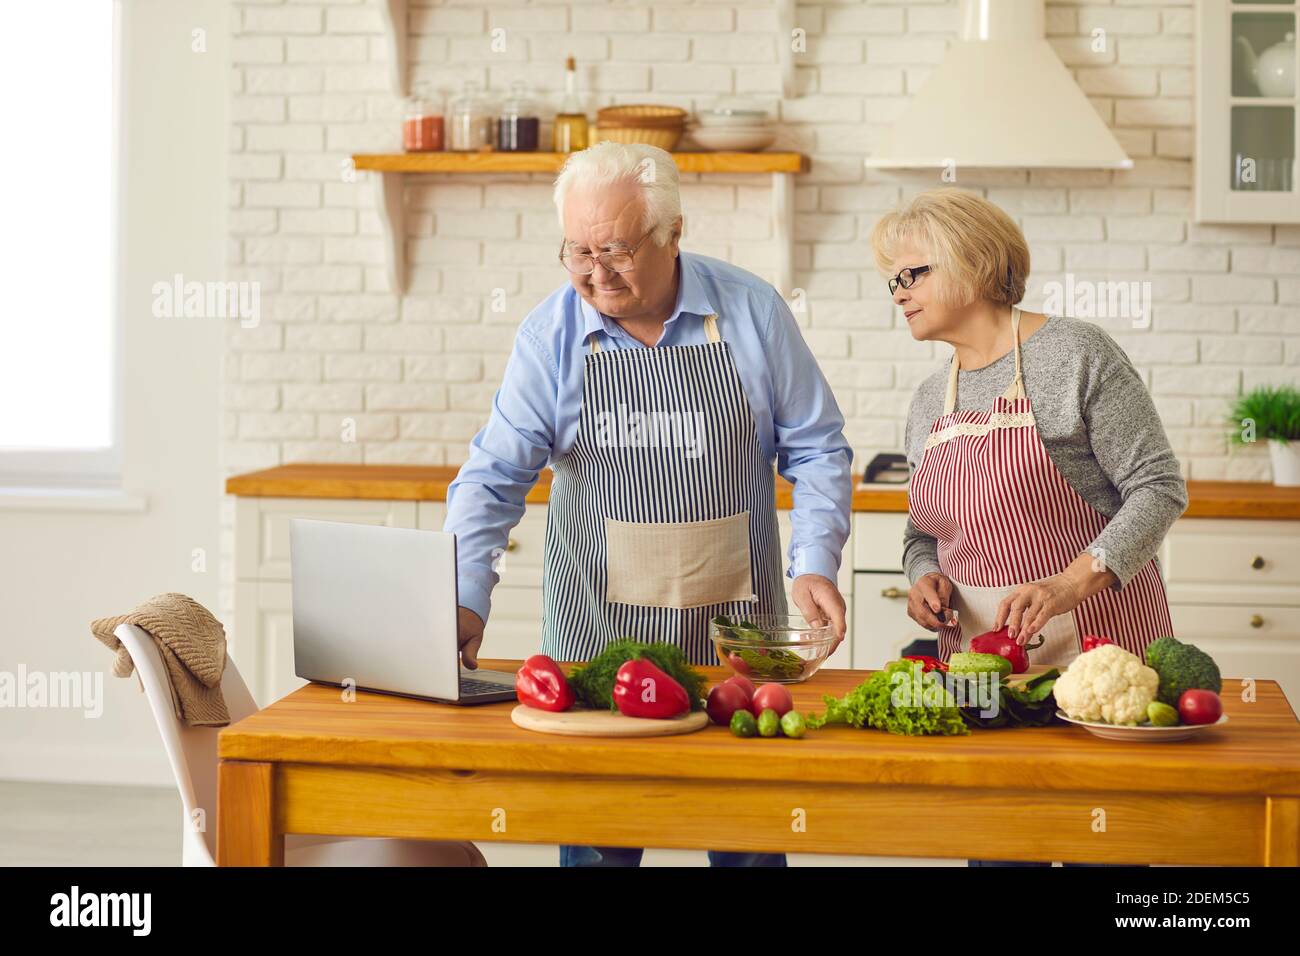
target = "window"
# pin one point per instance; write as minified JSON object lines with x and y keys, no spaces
{"x":59,"y":402}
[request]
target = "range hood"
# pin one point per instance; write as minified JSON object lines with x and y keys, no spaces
{"x":1002,"y":98}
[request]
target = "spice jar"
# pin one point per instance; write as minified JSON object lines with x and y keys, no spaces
{"x":473,"y":125}
{"x":422,"y":126}
{"x":518,"y":126}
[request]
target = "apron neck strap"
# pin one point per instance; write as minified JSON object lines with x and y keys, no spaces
{"x":710,"y":331}
{"x":1017,"y":387}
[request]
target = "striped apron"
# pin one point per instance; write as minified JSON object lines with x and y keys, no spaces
{"x":1004,"y":515}
{"x":662,"y":515}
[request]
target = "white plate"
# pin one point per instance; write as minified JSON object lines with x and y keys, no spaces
{"x":1146,"y":734}
{"x":744,"y":139}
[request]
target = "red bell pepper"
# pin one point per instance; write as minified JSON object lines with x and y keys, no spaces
{"x":1001,"y":643}
{"x":643,"y":690}
{"x":1092,"y":641}
{"x":927,"y":663}
{"x":540,"y":683}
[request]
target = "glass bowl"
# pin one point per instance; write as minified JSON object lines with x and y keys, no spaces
{"x":771,"y":648}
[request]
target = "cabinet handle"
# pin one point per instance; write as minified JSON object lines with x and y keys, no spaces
{"x":511,"y":544}
{"x":1256,"y":621}
{"x":1257,"y":563}
{"x":892,"y":593}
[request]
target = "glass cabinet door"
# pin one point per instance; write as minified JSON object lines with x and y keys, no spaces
{"x":1249,"y":112}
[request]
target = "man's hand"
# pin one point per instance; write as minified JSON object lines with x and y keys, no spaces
{"x":927,"y":601}
{"x":821,"y":603}
{"x":469,"y":635}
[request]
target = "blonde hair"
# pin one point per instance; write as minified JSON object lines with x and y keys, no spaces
{"x":649,"y":167}
{"x":978,"y":252}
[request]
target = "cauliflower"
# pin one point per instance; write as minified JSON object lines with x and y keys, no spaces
{"x":1107,"y":684}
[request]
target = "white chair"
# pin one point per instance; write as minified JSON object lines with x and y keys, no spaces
{"x":192,"y":752}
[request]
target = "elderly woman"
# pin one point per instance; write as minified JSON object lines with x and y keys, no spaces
{"x":661,"y":386}
{"x":1042,"y":480}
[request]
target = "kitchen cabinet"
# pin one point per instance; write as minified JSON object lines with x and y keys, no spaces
{"x":1234,"y":591}
{"x":1248,"y":112}
{"x":881,"y":627}
{"x":263,"y":639}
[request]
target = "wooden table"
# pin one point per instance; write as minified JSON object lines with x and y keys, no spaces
{"x":389,"y":766}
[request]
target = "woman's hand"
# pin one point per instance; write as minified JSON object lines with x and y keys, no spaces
{"x":927,"y":601}
{"x":1027,"y":609}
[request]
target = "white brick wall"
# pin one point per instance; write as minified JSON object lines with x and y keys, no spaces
{"x":417,"y":373}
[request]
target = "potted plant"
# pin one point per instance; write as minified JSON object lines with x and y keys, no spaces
{"x":1271,"y":413}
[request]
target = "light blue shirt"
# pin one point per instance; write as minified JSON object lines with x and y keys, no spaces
{"x":536,"y":410}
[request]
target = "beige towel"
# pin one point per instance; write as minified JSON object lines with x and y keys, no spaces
{"x":193,"y":646}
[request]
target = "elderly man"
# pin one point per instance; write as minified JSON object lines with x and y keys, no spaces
{"x":660,"y":386}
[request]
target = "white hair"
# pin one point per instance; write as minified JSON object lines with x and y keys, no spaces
{"x":607,"y":163}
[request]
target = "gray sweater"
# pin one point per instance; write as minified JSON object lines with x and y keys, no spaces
{"x":1100,"y":429}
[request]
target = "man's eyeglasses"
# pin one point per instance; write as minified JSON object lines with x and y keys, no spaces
{"x":907,"y":278}
{"x":584,"y":264}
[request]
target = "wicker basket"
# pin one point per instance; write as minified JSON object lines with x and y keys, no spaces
{"x":641,"y":115}
{"x":660,"y":126}
{"x":665,"y":139}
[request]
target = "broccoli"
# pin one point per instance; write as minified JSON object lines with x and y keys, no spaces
{"x":1181,"y":667}
{"x":969,"y":663}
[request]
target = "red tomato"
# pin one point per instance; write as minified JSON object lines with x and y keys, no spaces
{"x":745,"y":684}
{"x":775,"y":696}
{"x":737,"y":663}
{"x":1200,"y":707}
{"x":724,"y":700}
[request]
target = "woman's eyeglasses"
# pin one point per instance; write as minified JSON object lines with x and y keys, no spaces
{"x":907,"y":278}
{"x":584,"y":264}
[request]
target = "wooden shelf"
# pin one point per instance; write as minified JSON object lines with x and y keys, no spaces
{"x":490,"y":161}
{"x":391,"y":168}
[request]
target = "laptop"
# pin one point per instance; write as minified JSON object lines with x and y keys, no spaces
{"x":375,"y":608}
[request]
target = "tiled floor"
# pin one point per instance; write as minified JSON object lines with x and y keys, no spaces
{"x":53,"y":824}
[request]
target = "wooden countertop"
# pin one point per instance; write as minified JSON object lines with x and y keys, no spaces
{"x":1208,"y":499}
{"x":1257,"y":752}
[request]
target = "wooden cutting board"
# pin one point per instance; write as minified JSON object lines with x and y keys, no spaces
{"x":605,"y":723}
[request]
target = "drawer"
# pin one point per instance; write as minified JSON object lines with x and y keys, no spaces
{"x":1269,"y":651}
{"x":430,"y":515}
{"x":881,"y":627}
{"x":878,"y":541}
{"x":521,"y":565}
{"x":514,"y":627}
{"x":262,"y":528}
{"x":845,"y":579}
{"x":262,"y":648}
{"x":1226,"y":561}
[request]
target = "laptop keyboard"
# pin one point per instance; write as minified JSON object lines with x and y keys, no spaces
{"x":470,"y":686}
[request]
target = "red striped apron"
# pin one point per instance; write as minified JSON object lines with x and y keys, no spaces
{"x":1003,"y":515}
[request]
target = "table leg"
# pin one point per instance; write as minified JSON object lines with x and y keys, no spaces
{"x":1282,"y":831}
{"x":246,"y":834}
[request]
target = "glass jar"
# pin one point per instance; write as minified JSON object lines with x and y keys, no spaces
{"x":519,"y":125}
{"x":422,"y":125}
{"x":473,"y":125}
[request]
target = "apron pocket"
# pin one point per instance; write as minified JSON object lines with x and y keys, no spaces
{"x":678,"y":565}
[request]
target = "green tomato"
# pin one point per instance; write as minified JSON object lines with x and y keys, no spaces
{"x":769,"y":723}
{"x":743,"y":724}
{"x":793,"y":724}
{"x":1161,"y":714}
